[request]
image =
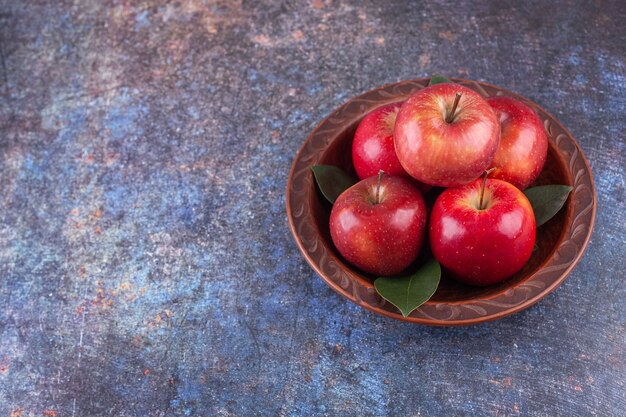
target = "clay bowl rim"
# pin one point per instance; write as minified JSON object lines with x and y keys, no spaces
{"x":499,"y":310}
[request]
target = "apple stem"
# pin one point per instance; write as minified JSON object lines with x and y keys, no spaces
{"x":380,"y":179}
{"x":450,"y":116}
{"x":482,"y":189}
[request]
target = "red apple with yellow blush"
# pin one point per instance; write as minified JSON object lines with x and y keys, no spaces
{"x":523,"y":142}
{"x":446,"y":135}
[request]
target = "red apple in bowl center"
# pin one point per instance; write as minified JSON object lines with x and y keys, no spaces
{"x":482,"y":242}
{"x":379,"y":223}
{"x":523,"y":142}
{"x":446,"y":135}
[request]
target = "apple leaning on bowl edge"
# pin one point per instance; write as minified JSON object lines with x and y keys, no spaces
{"x":379,"y":228}
{"x":373,"y":148}
{"x":523,"y":142}
{"x":445,"y":145}
{"x":482,"y":244}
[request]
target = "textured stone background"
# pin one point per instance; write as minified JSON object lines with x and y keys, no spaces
{"x":146,"y":266}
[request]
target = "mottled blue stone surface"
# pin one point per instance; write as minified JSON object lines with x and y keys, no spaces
{"x":146,"y":264}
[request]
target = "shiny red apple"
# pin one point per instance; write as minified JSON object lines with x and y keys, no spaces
{"x":482,"y":243}
{"x":523,"y":142}
{"x":378,"y":224}
{"x":446,"y":135}
{"x":373,"y":148}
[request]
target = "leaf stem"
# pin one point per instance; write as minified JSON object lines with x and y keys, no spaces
{"x":482,"y":189}
{"x":450,"y":116}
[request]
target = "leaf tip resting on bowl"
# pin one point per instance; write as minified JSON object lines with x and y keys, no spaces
{"x":547,"y":200}
{"x":438,"y":79}
{"x":332,"y":181}
{"x":409,"y":292}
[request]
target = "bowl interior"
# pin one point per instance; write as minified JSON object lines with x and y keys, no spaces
{"x":338,"y":153}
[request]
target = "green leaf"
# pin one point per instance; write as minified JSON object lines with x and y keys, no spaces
{"x":332,"y":181}
{"x":547,"y":200}
{"x":408,"y":293}
{"x":437,"y":79}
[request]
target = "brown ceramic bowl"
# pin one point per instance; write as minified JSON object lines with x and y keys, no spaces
{"x":561,"y":242}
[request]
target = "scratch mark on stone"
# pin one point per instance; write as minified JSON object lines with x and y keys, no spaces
{"x":290,"y":359}
{"x":80,"y":339}
{"x":305,"y":295}
{"x":256,"y":343}
{"x":93,"y":94}
{"x":168,"y":344}
{"x":5,"y":72}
